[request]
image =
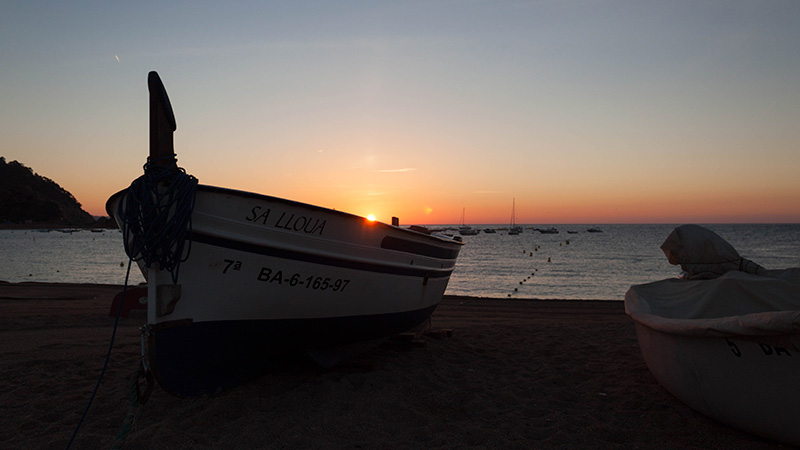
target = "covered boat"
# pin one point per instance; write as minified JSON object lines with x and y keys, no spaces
{"x":235,"y":278}
{"x":724,"y":339}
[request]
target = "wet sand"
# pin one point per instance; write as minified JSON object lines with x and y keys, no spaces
{"x":513,"y":374}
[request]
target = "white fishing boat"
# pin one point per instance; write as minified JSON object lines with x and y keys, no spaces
{"x":724,"y":339}
{"x":262,"y":276}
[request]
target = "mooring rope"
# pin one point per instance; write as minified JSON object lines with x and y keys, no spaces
{"x":156,"y":216}
{"x":108,"y":356}
{"x":134,"y":402}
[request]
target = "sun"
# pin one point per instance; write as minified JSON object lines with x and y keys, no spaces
{"x":371,"y":218}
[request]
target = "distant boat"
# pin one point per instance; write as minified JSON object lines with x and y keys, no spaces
{"x":594,"y":230}
{"x":464,"y":229}
{"x":262,"y":276}
{"x":514,"y":229}
{"x":489,"y":230}
{"x":572,"y":232}
{"x":547,"y":230}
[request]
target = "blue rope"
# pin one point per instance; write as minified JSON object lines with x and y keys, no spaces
{"x":108,"y":356}
{"x":156,"y":216}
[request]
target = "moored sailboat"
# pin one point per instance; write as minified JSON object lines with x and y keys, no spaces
{"x":514,"y":229}
{"x":464,"y":229}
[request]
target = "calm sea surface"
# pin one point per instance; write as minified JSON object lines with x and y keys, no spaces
{"x":531,"y":265}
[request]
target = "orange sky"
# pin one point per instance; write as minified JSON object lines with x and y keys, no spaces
{"x":584,"y":112}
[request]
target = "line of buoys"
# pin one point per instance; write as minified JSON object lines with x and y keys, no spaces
{"x":523,"y":282}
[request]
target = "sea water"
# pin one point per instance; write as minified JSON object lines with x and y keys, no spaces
{"x":601,"y":265}
{"x":578,"y":265}
{"x":67,"y":256}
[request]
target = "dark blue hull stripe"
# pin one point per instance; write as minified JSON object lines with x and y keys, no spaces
{"x":418,"y":248}
{"x":204,"y":358}
{"x":216,"y":241}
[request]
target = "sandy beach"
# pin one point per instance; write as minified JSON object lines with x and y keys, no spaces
{"x":513,"y":374}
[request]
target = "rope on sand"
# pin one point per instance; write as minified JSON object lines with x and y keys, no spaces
{"x":135,"y":400}
{"x":108,"y":356}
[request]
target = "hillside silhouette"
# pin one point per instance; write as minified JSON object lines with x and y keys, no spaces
{"x":29,"y":198}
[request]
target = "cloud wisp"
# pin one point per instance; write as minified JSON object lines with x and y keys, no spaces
{"x":407,"y":169}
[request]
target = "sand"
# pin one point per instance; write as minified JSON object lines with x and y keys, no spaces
{"x":513,"y":374}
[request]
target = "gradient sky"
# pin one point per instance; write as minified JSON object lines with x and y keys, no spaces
{"x":583,"y":111}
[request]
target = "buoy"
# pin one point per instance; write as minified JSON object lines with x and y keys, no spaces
{"x":531,"y":254}
{"x":567,"y":241}
{"x":548,"y":259}
{"x":520,"y":282}
{"x":515,"y":289}
{"x":122,"y":264}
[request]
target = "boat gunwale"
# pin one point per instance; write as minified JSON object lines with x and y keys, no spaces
{"x":246,"y":194}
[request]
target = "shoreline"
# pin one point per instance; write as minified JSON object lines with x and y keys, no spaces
{"x":515,"y":373}
{"x":101,"y":224}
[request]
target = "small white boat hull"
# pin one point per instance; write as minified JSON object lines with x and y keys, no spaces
{"x":727,"y":347}
{"x":748,"y":384}
{"x":267,"y":276}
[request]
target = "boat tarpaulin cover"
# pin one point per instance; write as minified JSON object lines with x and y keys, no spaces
{"x":703,"y":254}
{"x":734,"y":302}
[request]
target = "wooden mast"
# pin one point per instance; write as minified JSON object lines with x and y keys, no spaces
{"x":162,"y":123}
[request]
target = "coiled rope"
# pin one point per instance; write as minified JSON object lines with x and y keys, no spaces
{"x":156,"y":216}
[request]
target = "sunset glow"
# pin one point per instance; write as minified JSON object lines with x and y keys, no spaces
{"x":585,"y":112}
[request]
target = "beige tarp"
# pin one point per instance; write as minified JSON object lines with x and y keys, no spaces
{"x":723,"y":294}
{"x":703,"y":254}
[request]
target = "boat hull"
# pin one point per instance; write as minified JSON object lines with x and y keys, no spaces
{"x":745,"y":382}
{"x":198,"y":359}
{"x":266,"y":276}
{"x":728,"y":347}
